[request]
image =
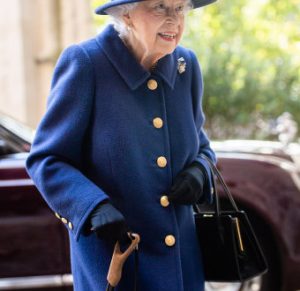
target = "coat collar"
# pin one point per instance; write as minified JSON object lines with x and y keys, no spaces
{"x":126,"y":64}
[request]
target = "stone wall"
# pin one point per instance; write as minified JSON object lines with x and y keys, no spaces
{"x":33,"y":34}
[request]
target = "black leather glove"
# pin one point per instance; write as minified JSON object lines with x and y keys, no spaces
{"x":188,"y":185}
{"x":109,"y":223}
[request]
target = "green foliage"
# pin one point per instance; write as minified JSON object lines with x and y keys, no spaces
{"x":250,"y":57}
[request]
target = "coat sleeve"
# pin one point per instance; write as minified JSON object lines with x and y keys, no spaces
{"x":204,"y":143}
{"x":55,"y":158}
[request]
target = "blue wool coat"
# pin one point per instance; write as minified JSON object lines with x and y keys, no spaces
{"x":98,"y":140}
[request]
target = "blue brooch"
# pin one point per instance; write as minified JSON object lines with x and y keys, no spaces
{"x":181,"y":65}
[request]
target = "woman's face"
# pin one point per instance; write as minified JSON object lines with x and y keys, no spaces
{"x":156,"y":26}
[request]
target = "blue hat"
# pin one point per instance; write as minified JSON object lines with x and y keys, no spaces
{"x":101,"y":9}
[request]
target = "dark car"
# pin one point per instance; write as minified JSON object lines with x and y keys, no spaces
{"x":263,"y":176}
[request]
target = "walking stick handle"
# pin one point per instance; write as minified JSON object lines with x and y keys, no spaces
{"x":118,"y":259}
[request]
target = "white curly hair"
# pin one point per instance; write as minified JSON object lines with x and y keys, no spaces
{"x":117,"y":13}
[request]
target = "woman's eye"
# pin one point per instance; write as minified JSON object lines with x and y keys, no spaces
{"x":159,"y":7}
{"x":180,"y":8}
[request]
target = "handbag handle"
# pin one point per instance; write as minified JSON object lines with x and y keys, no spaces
{"x":215,"y":172}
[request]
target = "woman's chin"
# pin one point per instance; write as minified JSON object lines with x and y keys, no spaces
{"x":168,"y":49}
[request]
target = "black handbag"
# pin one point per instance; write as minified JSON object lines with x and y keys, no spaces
{"x":230,"y":249}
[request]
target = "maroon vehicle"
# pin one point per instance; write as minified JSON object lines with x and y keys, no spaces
{"x":264,"y":178}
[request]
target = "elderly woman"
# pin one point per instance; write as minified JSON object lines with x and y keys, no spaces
{"x":119,"y":148}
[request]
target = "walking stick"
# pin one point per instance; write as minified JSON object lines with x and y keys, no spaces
{"x":118,"y":259}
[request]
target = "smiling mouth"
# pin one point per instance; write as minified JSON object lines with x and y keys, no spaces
{"x":167,"y":36}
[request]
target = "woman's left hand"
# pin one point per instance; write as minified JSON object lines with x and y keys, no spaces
{"x":188,"y":185}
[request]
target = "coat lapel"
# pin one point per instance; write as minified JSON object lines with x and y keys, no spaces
{"x":166,"y":69}
{"x":126,"y":64}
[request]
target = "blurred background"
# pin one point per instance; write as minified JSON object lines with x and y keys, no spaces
{"x":249,"y":52}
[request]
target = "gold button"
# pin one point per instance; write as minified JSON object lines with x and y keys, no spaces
{"x":157,"y":122}
{"x":161,"y":162}
{"x":70,"y":225}
{"x":164,"y":201}
{"x":57,"y":215}
{"x":152,"y":84}
{"x":64,"y":220}
{"x":170,"y":240}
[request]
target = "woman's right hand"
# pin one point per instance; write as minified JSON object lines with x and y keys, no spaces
{"x":109,"y":223}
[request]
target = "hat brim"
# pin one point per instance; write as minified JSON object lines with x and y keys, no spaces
{"x":101,"y":9}
{"x":201,"y":3}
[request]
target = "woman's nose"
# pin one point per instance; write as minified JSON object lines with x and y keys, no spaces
{"x":171,"y":14}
